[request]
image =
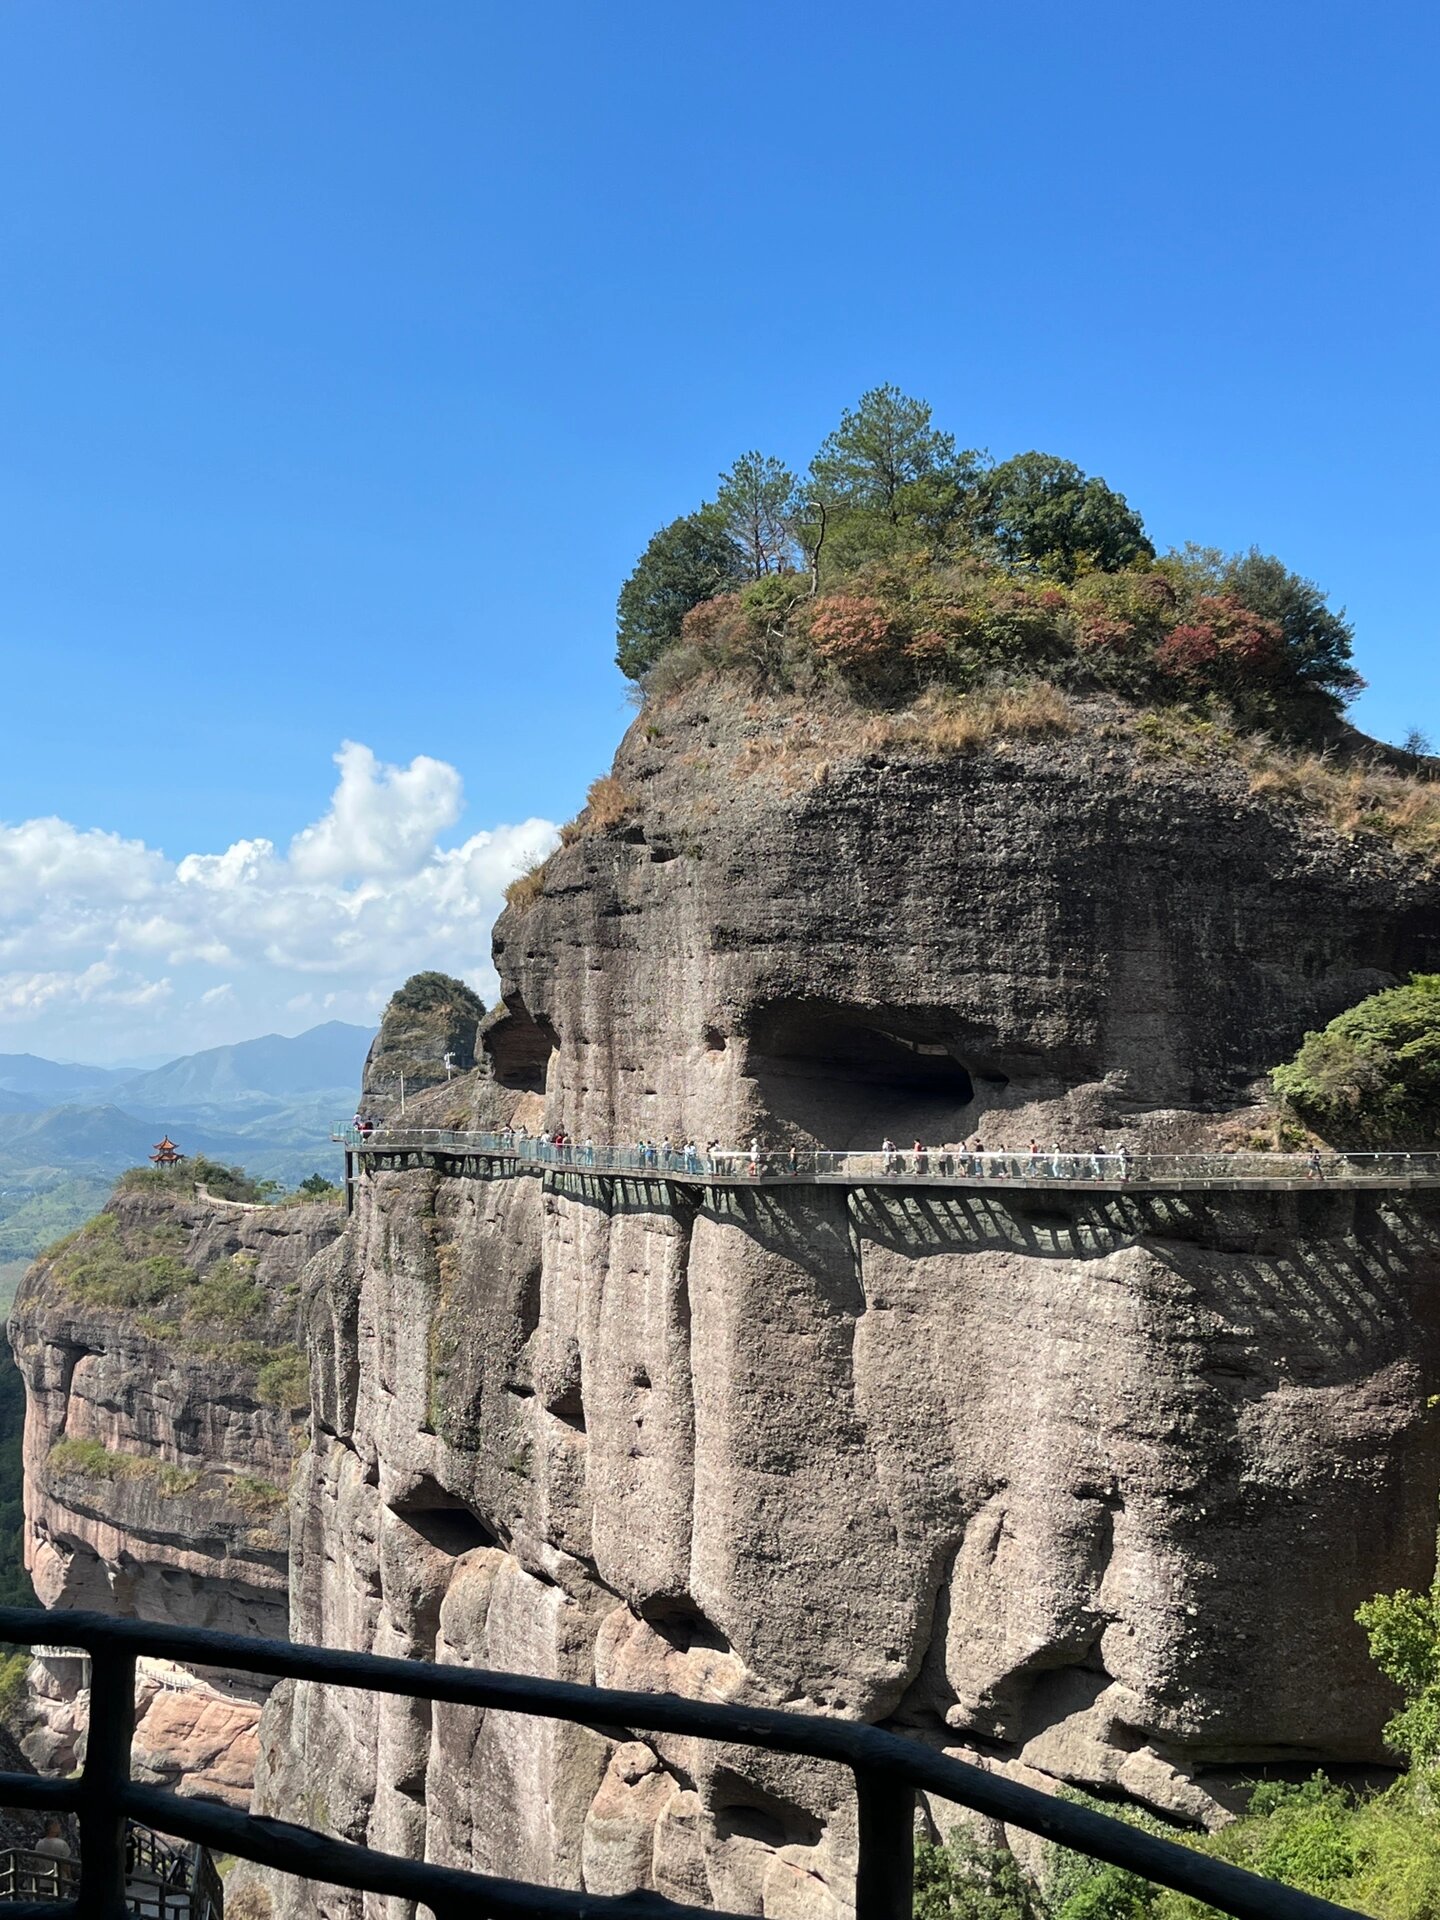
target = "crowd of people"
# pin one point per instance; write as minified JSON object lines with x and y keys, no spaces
{"x":962,"y":1160}
{"x":970,"y":1159}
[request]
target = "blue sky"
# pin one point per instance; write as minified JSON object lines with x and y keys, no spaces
{"x":349,"y":353}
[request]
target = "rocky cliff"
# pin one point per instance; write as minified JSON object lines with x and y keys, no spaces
{"x":1086,"y":1486}
{"x":166,"y":1397}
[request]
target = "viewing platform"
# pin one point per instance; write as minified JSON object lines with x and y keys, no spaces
{"x":391,"y":1145}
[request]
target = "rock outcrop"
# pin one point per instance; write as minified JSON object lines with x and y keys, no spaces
{"x":1088,"y":1487}
{"x":165,"y":1402}
{"x":431,"y":1019}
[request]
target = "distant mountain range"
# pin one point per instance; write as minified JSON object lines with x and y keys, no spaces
{"x":273,"y":1067}
{"x":66,"y":1130}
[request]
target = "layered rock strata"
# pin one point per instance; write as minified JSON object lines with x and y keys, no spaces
{"x":165,"y":1401}
{"x":1085,"y":1486}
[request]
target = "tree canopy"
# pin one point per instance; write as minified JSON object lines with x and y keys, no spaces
{"x":899,"y":560}
{"x":1372,"y":1077}
{"x":887,"y":479}
{"x":1045,"y":513}
{"x":691,"y":560}
{"x":756,"y":510}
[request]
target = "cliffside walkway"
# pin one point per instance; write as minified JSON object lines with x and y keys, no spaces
{"x":454,"y":1151}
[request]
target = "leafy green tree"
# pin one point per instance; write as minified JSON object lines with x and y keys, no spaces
{"x":888,"y":478}
{"x":1110,"y":1894}
{"x":756,"y":508}
{"x":1372,"y":1077}
{"x":1404,"y":1631}
{"x":960,"y":1881}
{"x":691,"y":560}
{"x":432,"y":992}
{"x":316,"y":1187}
{"x":1314,"y":641}
{"x":1043,"y":512}
{"x":1304,"y":1835}
{"x":1317,"y":639}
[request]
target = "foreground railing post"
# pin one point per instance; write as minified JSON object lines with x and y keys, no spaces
{"x":103,"y":1777}
{"x":885,"y":1871}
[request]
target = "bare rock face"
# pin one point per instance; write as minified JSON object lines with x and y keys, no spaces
{"x":163,"y":1391}
{"x":1085,"y":1486}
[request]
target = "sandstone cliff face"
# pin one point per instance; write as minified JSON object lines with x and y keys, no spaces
{"x":827,"y":945}
{"x":1088,"y":1487}
{"x":163,"y":1390}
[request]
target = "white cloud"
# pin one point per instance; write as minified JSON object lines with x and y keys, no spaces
{"x":382,"y":820}
{"x":107,"y":947}
{"x":99,"y":984}
{"x":45,"y":857}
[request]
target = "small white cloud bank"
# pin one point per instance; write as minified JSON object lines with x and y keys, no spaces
{"x":110,"y":950}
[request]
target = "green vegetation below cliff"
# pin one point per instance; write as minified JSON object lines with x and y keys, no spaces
{"x":1372,"y":1077}
{"x":1379,"y":1854}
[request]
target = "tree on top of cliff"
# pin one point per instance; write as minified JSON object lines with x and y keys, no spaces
{"x":889,"y":481}
{"x":1045,"y":513}
{"x":1372,"y":1077}
{"x":970,"y":571}
{"x":691,"y":560}
{"x":756,"y":508}
{"x":433,"y":992}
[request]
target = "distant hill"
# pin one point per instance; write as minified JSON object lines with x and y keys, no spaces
{"x":52,"y":1080}
{"x":322,"y":1060}
{"x":266,"y":1105}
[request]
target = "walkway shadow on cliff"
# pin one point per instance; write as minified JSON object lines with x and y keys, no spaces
{"x":807,"y":1225}
{"x":1333,"y":1273}
{"x":1339,"y":1274}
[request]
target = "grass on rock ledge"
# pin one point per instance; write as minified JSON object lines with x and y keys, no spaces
{"x":222,"y":1313}
{"x":71,"y":1459}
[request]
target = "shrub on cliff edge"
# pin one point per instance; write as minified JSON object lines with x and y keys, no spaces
{"x":1372,"y":1077}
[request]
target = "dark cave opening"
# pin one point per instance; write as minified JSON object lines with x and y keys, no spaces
{"x":848,"y":1077}
{"x":518,"y":1045}
{"x":444,"y":1522}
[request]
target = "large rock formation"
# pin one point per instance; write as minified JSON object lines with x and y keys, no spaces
{"x":165,"y":1403}
{"x":432,"y":1019}
{"x":1088,"y":1487}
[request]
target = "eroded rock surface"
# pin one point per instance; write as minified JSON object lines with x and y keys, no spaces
{"x":165,"y":1399}
{"x":1086,"y":1486}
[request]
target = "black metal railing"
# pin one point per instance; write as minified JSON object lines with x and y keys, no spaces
{"x":27,"y":1875}
{"x":888,"y":1772}
{"x":162,"y":1881}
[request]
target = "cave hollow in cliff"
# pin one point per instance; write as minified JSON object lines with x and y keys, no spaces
{"x":518,"y":1045}
{"x":849,"y":1076}
{"x":450,"y":1525}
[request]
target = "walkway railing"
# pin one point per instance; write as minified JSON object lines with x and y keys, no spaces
{"x":888,"y":1773}
{"x":939,"y":1166}
{"x":162,"y":1881}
